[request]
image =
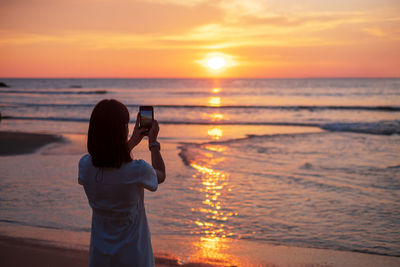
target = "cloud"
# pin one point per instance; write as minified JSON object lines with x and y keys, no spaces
{"x":303,"y":19}
{"x":374,"y":31}
{"x":84,"y":40}
{"x":210,"y":33}
{"x":123,"y":16}
{"x":252,"y":31}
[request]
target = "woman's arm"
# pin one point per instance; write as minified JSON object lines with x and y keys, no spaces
{"x":156,"y":159}
{"x":158,"y":163}
{"x":137,"y":135}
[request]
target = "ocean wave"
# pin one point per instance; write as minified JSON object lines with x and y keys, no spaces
{"x":393,"y":167}
{"x":378,"y":128}
{"x":45,"y":118}
{"x":57,"y":227}
{"x":295,"y":107}
{"x":279,"y":169}
{"x":245,"y":107}
{"x":72,"y":92}
{"x":166,"y":122}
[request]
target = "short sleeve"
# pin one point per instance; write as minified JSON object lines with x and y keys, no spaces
{"x":82,"y":167}
{"x":148,"y":176}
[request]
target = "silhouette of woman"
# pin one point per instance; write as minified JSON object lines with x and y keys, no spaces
{"x":114,"y":185}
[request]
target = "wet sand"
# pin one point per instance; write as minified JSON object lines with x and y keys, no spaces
{"x":17,"y":252}
{"x":16,"y":143}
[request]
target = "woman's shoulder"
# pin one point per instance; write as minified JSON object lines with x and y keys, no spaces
{"x":85,"y":165}
{"x":138,"y":163}
{"x":136,"y":166}
{"x":85,"y":160}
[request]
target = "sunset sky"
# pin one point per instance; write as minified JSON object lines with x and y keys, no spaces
{"x":176,"y":38}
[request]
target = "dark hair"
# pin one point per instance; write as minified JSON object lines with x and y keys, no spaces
{"x":107,"y":141}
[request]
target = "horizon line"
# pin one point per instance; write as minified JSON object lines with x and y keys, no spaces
{"x":214,"y":78}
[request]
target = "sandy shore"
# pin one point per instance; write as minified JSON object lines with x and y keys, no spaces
{"x":15,"y":143}
{"x":17,"y":252}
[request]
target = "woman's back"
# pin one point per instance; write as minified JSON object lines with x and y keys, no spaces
{"x":116,"y":189}
{"x":120,"y":234}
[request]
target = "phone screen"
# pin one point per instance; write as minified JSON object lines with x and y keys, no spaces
{"x":146,"y":118}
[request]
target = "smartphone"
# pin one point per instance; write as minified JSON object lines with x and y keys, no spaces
{"x":146,"y":118}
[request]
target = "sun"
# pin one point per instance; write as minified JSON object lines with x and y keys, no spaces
{"x":216,"y":63}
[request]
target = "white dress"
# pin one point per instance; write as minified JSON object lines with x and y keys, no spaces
{"x":120,"y":234}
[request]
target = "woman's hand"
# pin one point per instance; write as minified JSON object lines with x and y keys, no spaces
{"x":137,"y":134}
{"x":153,"y":133}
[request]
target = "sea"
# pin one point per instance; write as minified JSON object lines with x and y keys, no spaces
{"x":309,"y":163}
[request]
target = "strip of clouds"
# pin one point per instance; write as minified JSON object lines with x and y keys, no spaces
{"x":243,"y":23}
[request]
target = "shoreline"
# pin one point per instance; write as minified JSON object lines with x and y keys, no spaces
{"x":16,"y":252}
{"x":33,"y":246}
{"x":38,"y":246}
{"x":25,"y":252}
{"x":18,"y":143}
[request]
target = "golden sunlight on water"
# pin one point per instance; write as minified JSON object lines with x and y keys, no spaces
{"x":214,"y":211}
{"x":218,"y":148}
{"x":215,"y":101}
{"x":215,"y":133}
{"x":217,"y":116}
{"x":213,"y":116}
{"x":216,"y":90}
{"x":215,"y":251}
{"x":214,"y":243}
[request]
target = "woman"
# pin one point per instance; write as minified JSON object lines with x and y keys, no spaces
{"x":114,"y":184}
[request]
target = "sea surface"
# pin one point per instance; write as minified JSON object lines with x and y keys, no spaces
{"x":296,"y":162}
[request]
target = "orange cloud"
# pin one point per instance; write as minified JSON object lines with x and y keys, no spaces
{"x":167,"y":38}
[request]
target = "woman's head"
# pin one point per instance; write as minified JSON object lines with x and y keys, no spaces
{"x":108,"y":134}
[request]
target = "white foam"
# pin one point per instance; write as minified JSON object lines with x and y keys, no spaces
{"x":380,"y":127}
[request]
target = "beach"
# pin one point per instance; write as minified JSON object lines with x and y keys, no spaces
{"x":18,"y":251}
{"x":21,"y":252}
{"x":26,"y":245}
{"x":290,"y":178}
{"x":14,"y":143}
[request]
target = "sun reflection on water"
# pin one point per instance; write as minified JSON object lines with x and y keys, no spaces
{"x":212,"y":251}
{"x":214,"y":210}
{"x":216,"y":90}
{"x":214,"y":117}
{"x":217,"y":148}
{"x":217,"y":116}
{"x":215,"y":133}
{"x":215,"y":101}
